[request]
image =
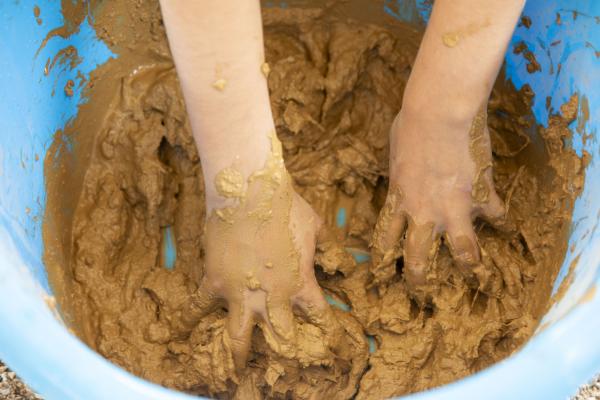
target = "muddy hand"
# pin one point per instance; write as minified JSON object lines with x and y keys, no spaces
{"x":440,"y":181}
{"x":259,"y":261}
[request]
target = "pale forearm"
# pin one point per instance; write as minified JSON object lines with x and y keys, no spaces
{"x":460,"y":56}
{"x":440,"y":151}
{"x":218,"y":50}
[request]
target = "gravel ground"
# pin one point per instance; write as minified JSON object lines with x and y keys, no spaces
{"x":591,"y":391}
{"x":11,"y":388}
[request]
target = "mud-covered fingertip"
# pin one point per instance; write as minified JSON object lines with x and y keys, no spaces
{"x":280,"y":322}
{"x":495,"y":207}
{"x":318,"y":312}
{"x":391,"y":222}
{"x":240,"y":348}
{"x":421,"y":246}
{"x":467,"y":257}
{"x":483,"y":275}
{"x":239,"y":332}
{"x":201,"y":303}
{"x":383,"y":264}
{"x":381,"y":273}
{"x":463,"y":246}
{"x":496,"y":214}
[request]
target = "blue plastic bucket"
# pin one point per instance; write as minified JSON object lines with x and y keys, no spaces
{"x":59,"y":366}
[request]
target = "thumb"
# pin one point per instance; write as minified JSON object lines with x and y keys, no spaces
{"x":239,"y":330}
{"x":390,"y":226}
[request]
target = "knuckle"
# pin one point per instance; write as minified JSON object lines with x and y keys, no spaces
{"x":415,"y":273}
{"x":414,"y":265}
{"x":464,"y":249}
{"x":496,"y":211}
{"x":414,"y":261}
{"x":466,"y":257}
{"x":237,"y":341}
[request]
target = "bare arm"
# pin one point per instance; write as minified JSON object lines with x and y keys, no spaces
{"x":460,"y":57}
{"x":218,"y":50}
{"x":260,"y":234}
{"x":440,"y":155}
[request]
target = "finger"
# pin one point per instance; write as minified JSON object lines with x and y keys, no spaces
{"x":319,"y":314}
{"x":201,"y":303}
{"x":310,"y":297}
{"x":390,"y":226}
{"x":494,"y":209}
{"x":494,"y":212}
{"x":422,"y":243}
{"x":462,"y":243}
{"x":467,"y":253}
{"x":278,"y":326}
{"x":315,"y":308}
{"x":239,"y":329}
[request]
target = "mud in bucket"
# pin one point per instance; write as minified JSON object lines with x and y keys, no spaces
{"x":38,"y":101}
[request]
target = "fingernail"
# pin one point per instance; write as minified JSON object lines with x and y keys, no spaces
{"x":466,"y":258}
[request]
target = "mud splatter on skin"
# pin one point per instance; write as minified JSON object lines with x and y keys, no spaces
{"x":336,"y":86}
{"x":453,"y":39}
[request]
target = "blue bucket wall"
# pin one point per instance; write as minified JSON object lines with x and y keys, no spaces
{"x":35,"y":344}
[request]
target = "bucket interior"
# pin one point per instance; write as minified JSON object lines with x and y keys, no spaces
{"x":564,"y":37}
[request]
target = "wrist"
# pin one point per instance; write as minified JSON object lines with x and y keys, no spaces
{"x":448,"y":112}
{"x":226,"y":174}
{"x":439,"y":113}
{"x":426,"y":133}
{"x":430,"y":99}
{"x":234,"y":144}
